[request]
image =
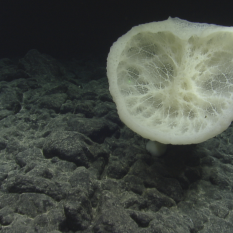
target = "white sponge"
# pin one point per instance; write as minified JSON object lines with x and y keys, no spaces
{"x":172,"y":81}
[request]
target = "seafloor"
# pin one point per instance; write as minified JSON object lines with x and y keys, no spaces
{"x":68,"y":164}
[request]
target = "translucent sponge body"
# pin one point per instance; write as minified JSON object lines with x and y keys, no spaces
{"x":172,"y":81}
